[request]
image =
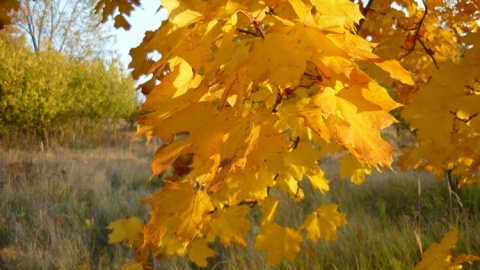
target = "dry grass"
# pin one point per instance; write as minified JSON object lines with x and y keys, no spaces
{"x":55,"y":205}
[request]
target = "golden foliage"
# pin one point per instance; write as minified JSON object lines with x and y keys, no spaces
{"x":254,"y":93}
{"x":126,"y":229}
{"x":323,"y":223}
{"x":279,"y":241}
{"x":237,"y":78}
{"x":439,"y":257}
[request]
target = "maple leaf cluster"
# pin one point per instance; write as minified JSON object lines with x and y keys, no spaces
{"x":438,"y":41}
{"x":252,"y":95}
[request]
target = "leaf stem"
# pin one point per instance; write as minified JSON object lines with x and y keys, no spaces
{"x":417,"y":38}
{"x":228,"y":93}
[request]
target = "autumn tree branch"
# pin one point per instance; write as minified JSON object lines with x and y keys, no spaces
{"x":295,"y":143}
{"x":472,"y":90}
{"x":417,"y":38}
{"x":364,"y":13}
{"x":463,"y":120}
{"x":250,"y":204}
{"x":256,"y":24}
{"x":248,"y":32}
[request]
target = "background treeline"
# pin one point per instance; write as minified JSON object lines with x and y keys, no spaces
{"x":49,"y":97}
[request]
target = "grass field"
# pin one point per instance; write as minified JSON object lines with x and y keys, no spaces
{"x":55,"y":205}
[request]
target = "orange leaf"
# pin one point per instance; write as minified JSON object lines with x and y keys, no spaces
{"x":177,"y":208}
{"x":280,"y":242}
{"x":324,"y":223}
{"x":346,"y":116}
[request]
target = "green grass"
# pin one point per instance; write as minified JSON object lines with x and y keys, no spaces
{"x":55,"y":205}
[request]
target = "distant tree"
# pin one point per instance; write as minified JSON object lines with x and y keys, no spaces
{"x":67,"y":26}
{"x":42,"y":93}
{"x":54,"y":71}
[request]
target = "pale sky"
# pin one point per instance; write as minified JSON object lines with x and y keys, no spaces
{"x":142,"y":19}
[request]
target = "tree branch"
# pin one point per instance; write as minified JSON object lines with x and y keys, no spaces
{"x":248,"y":32}
{"x":417,"y":38}
{"x":364,"y":13}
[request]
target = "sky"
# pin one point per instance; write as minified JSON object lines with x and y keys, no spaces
{"x":142,"y":19}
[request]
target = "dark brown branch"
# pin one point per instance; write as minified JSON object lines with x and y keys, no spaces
{"x":295,"y":143}
{"x":278,"y":101}
{"x":417,"y":37}
{"x":405,"y":28}
{"x":364,"y":13}
{"x":428,"y":51}
{"x":255,"y":23}
{"x":472,"y":90}
{"x":270,"y":11}
{"x":463,"y":120}
{"x":250,"y":204}
{"x":248,"y":32}
{"x":259,"y":28}
{"x":307,"y":86}
{"x":313,"y":77}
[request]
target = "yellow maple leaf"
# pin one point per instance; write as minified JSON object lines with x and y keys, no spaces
{"x":396,"y":71}
{"x":279,"y":241}
{"x":438,"y":256}
{"x":361,"y":50}
{"x":323,"y":223}
{"x":126,"y":229}
{"x":353,"y":169}
{"x":233,"y":191}
{"x":339,"y":16}
{"x":199,"y":251}
{"x":319,"y":181}
{"x":278,"y":58}
{"x":463,"y":258}
{"x":268,"y":207}
{"x":301,"y":9}
{"x":295,"y":163}
{"x":347,"y":116}
{"x":229,"y":224}
{"x":290,"y":186}
{"x":293,"y":166}
{"x":177,"y":208}
{"x":171,"y":245}
{"x":182,"y":12}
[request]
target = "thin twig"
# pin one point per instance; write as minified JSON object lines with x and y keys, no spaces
{"x":364,"y":13}
{"x":248,"y":32}
{"x":417,"y":38}
{"x":255,"y":23}
{"x":463,"y":120}
{"x":295,"y":143}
